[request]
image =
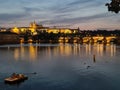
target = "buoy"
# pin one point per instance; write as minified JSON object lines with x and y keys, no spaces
{"x":94,"y":59}
{"x":88,"y":67}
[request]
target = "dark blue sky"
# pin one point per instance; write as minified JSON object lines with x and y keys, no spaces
{"x":86,"y":14}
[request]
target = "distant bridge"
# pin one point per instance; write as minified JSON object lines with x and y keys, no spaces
{"x":88,"y":39}
{"x":102,"y":39}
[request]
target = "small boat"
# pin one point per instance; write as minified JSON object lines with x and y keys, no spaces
{"x":15,"y":78}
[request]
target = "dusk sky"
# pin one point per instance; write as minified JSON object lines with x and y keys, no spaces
{"x":85,"y":14}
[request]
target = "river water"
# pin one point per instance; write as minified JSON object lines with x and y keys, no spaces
{"x":61,"y":66}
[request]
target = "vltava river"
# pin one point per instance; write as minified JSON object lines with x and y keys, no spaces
{"x":61,"y":66}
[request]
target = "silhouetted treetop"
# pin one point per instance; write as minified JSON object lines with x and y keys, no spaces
{"x":114,"y":6}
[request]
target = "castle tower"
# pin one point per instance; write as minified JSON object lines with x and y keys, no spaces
{"x":33,"y":25}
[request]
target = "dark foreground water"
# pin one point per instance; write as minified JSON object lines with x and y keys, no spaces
{"x":61,"y":66}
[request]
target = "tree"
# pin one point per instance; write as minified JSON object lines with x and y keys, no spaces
{"x":114,"y":6}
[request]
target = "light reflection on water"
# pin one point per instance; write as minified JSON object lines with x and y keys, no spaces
{"x":32,"y":51}
{"x":62,"y":66}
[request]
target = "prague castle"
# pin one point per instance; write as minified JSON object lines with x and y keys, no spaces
{"x":34,"y":27}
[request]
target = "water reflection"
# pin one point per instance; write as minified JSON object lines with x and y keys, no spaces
{"x":35,"y":51}
{"x":101,"y":49}
{"x":65,"y":66}
{"x":32,"y":52}
{"x":22,"y":52}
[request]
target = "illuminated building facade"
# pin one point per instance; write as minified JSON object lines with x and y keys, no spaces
{"x":34,"y":27}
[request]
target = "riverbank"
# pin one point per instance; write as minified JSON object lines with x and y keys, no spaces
{"x":12,"y":38}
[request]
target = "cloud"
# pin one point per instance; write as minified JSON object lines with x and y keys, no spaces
{"x":57,"y":11}
{"x":84,"y":19}
{"x":31,"y":9}
{"x":76,"y":2}
{"x":77,"y":7}
{"x":8,"y":17}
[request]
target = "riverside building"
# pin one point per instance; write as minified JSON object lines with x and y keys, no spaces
{"x":34,"y":27}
